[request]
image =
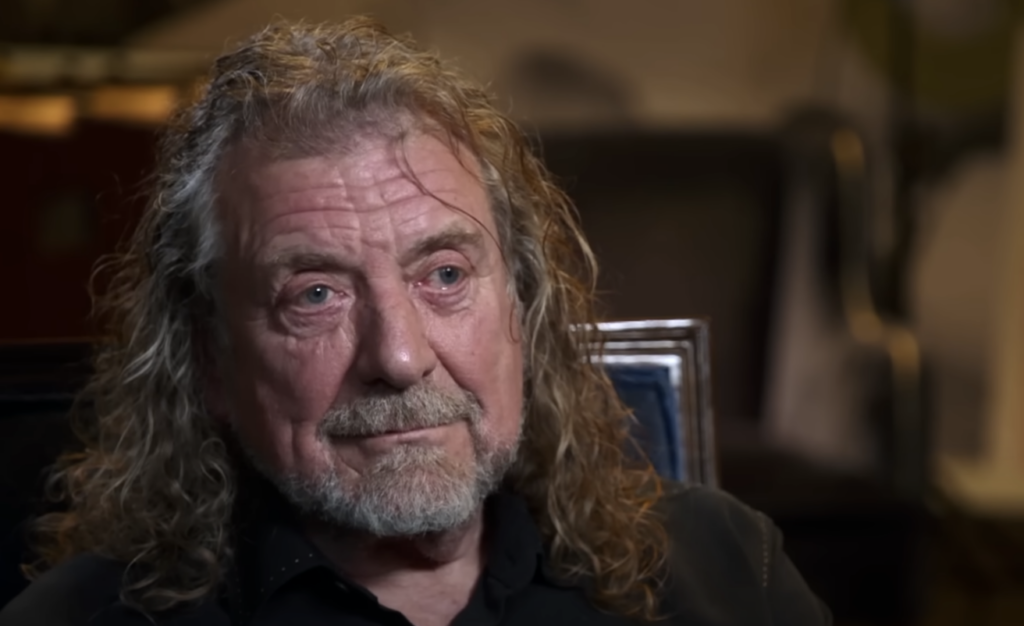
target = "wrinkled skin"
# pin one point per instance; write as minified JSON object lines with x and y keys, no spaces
{"x":343,"y":278}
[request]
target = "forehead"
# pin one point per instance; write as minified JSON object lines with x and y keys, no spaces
{"x":410,"y":185}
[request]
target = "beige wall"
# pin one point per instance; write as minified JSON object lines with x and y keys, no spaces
{"x":721,"y":62}
{"x":984,"y":328}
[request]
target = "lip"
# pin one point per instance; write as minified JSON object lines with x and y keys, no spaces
{"x":400,"y":435}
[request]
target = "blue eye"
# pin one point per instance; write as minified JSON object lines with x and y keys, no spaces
{"x":317,"y":294}
{"x":448,"y":275}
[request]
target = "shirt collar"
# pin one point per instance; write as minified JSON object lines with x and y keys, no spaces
{"x":515,"y":549}
{"x":271,"y":550}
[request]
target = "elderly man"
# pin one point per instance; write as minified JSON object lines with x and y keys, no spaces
{"x":343,"y":386}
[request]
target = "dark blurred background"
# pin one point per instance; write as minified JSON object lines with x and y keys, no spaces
{"x":836,"y":184}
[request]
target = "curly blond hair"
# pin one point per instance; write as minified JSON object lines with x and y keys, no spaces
{"x":156,"y":485}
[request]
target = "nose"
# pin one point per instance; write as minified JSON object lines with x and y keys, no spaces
{"x":393,"y":349}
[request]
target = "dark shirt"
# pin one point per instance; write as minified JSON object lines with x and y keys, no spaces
{"x":727,"y":569}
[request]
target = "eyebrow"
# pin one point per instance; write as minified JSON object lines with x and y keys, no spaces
{"x":307,"y":260}
{"x":456,"y":237}
{"x":453,"y":238}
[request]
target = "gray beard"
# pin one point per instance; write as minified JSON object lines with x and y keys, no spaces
{"x":414,"y":489}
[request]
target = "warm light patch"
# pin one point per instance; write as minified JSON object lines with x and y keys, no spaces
{"x":38,"y":115}
{"x":148,"y":104}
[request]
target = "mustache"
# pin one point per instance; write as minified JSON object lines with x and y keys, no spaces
{"x":408,"y":409}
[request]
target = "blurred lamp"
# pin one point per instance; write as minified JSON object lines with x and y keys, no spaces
{"x":139,"y":104}
{"x":37,"y":115}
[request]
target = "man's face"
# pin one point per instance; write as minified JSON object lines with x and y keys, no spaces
{"x":375,"y":372}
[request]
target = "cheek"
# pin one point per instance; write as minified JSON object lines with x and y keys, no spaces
{"x":484,"y":357}
{"x":283,"y":389}
{"x":511,"y":392}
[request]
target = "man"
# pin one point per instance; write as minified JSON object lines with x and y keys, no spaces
{"x":344,"y":386}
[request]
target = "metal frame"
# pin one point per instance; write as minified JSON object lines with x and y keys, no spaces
{"x":684,"y":347}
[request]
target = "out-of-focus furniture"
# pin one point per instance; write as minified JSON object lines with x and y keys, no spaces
{"x":690,"y":222}
{"x":977,"y":567}
{"x":845,"y":374}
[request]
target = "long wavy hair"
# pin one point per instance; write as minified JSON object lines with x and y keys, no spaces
{"x":157,"y":484}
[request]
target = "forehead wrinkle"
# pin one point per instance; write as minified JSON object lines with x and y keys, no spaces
{"x":262,"y":235}
{"x":400,"y":186}
{"x":386,"y":180}
{"x":459,"y":201}
{"x":396,"y":234}
{"x":381,"y":193}
{"x":322,"y":241}
{"x":378,"y":179}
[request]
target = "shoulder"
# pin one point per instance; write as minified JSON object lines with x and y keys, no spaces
{"x":86,"y":591}
{"x":727,"y":557}
{"x":695,"y":513}
{"x":709,"y":526}
{"x":76,"y":591}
